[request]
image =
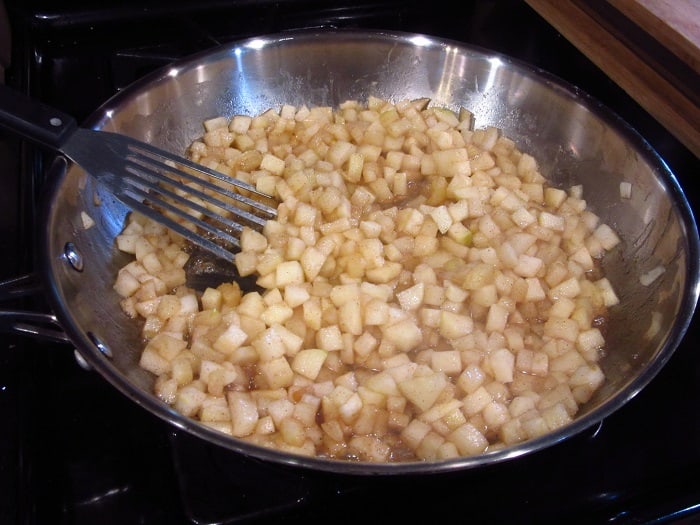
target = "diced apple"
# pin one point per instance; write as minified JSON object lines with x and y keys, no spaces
{"x":312,"y":260}
{"x":383,"y":383}
{"x":308,"y":362}
{"x":414,"y":433}
{"x":562,"y":328}
{"x":423,"y":391}
{"x":153,"y":362}
{"x":289,"y":273}
{"x":554,"y":197}
{"x":269,"y":344}
{"x":350,"y":318}
{"x":453,"y":325}
{"x":502,"y":363}
{"x":292,"y":432}
{"x":329,"y":338}
{"x":296,"y":294}
{"x":350,"y":408}
{"x":607,"y":291}
{"x":277,"y":313}
{"x":447,"y":361}
{"x":272,"y":164}
{"x":280,"y":409}
{"x":126,"y":284}
{"x":277,"y":372}
{"x":468,"y":440}
{"x":244,"y":413}
{"x":189,"y":400}
{"x":411,"y":298}
{"x":231,"y":339}
{"x":476,"y":401}
{"x":383,"y":274}
{"x":376,"y":313}
{"x":404,"y":334}
{"x":497,"y":318}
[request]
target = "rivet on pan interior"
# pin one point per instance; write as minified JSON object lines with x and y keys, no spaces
{"x":73,"y":256}
{"x":100,"y":345}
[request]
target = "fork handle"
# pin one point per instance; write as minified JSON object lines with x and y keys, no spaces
{"x":34,"y":120}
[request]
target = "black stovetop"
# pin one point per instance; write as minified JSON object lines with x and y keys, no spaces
{"x":75,"y":451}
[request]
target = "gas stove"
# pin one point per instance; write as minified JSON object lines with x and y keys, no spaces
{"x":75,"y":451}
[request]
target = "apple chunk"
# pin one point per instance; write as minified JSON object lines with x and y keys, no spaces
{"x":308,"y":362}
{"x":405,"y":334}
{"x":423,"y":391}
{"x":244,"y":413}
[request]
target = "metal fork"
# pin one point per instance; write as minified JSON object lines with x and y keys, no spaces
{"x":152,"y":181}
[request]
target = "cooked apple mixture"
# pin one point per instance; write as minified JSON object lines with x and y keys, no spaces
{"x":424,"y":292}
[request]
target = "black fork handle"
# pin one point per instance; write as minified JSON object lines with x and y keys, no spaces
{"x":33,"y":120}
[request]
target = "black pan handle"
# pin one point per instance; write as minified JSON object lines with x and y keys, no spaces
{"x":34,"y":120}
{"x":43,"y":326}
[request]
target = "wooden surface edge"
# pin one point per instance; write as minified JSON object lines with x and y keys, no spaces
{"x":664,"y":101}
{"x":675,"y":24}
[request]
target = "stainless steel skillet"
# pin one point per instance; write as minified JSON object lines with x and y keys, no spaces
{"x":575,"y":139}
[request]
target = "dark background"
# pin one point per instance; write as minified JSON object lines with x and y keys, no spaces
{"x":74,"y":451}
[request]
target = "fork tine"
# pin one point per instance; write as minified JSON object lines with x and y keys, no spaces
{"x":147,"y":154}
{"x":147,"y":170}
{"x":154,"y":182}
{"x":137,"y":185}
{"x":135,"y":198}
{"x":144,"y":176}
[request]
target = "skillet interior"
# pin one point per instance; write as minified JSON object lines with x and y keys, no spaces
{"x":574,"y":139}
